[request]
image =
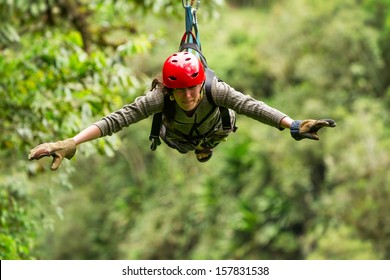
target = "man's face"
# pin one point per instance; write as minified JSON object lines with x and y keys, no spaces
{"x":188,"y":98}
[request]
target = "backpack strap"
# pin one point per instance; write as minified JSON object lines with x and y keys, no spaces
{"x":187,"y":43}
{"x":224,"y":112}
{"x":155,"y":131}
{"x":154,"y":136}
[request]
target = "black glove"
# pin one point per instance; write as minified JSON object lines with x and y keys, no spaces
{"x":58,"y":150}
{"x":309,"y":128}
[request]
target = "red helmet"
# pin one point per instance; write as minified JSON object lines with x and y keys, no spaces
{"x":182,"y":70}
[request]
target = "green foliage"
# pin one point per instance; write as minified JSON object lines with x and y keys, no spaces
{"x":239,"y":49}
{"x":262,"y":195}
{"x":254,"y":3}
{"x":51,"y":89}
{"x":16,"y":228}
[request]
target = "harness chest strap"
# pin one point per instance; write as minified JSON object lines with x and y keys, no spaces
{"x":155,"y":131}
{"x":224,"y":112}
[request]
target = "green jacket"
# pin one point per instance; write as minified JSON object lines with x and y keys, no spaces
{"x":223,"y":95}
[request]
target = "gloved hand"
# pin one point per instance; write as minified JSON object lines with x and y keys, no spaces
{"x":309,"y":128}
{"x":58,"y":150}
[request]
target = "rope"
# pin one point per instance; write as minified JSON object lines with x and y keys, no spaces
{"x":191,"y":20}
{"x":191,"y":3}
{"x":191,"y":38}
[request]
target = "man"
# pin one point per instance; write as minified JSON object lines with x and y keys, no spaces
{"x":190,"y":121}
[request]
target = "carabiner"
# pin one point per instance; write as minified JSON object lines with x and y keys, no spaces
{"x":197,"y":4}
{"x":187,"y":3}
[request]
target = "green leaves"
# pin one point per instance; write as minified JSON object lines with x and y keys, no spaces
{"x":16,"y":227}
{"x":262,"y":196}
{"x":50,"y":89}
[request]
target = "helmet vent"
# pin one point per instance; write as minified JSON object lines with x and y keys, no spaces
{"x":183,"y":70}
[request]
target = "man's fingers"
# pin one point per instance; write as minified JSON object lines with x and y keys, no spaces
{"x":39,"y":153}
{"x":311,"y":135}
{"x":322,"y":123}
{"x":56,"y":162}
{"x":309,"y":128}
{"x":325,"y":122}
{"x":331,"y":123}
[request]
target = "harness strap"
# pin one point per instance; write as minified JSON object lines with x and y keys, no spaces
{"x":154,"y":136}
{"x":196,"y":125}
{"x":185,"y":46}
{"x":224,"y":112}
{"x":191,"y":20}
{"x":191,"y":38}
{"x":155,"y":131}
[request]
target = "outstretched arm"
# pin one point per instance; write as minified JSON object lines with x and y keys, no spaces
{"x":148,"y":104}
{"x":64,"y":149}
{"x":90,"y":133}
{"x":243,"y":104}
{"x":286,"y":122}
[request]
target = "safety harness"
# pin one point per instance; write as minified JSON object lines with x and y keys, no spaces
{"x":191,"y":42}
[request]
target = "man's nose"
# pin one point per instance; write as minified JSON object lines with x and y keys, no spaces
{"x":187,"y":92}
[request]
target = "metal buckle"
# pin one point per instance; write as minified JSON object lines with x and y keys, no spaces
{"x":187,"y":3}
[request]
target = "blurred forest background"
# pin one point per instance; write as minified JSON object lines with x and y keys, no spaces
{"x":64,"y":64}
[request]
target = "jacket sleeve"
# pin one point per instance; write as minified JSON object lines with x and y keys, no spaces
{"x":143,"y":106}
{"x":225,"y":95}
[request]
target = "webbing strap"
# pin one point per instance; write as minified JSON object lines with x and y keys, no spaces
{"x":195,"y":47}
{"x":196,"y":125}
{"x":191,"y":20}
{"x":155,"y":131}
{"x":191,"y":38}
{"x":223,"y":111}
{"x":209,"y":80}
